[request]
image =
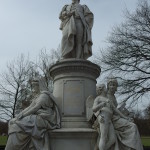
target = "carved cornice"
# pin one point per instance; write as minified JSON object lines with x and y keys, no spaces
{"x":75,"y":66}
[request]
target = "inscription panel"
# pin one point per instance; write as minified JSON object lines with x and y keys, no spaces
{"x":73,"y":98}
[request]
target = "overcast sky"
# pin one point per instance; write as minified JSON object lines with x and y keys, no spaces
{"x":27,"y":26}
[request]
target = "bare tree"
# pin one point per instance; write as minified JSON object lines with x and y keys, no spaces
{"x":15,"y":84}
{"x":147,"y":112}
{"x":128,"y":53}
{"x":11,"y":83}
{"x":45,"y":61}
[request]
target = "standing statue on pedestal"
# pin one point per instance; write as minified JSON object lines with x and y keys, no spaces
{"x":30,"y":129}
{"x":76,"y":25}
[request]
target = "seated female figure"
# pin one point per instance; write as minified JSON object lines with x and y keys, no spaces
{"x":29,"y":130}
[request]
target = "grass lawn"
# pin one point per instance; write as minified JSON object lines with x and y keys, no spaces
{"x":145,"y":140}
{"x":3,"y":140}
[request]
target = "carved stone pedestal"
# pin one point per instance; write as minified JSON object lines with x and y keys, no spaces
{"x":74,"y":81}
{"x":73,"y":139}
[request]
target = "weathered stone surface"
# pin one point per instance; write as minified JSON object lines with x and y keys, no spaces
{"x":74,"y":81}
{"x":73,"y":139}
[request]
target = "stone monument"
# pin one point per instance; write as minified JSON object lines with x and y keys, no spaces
{"x":74,"y":80}
{"x":62,"y":120}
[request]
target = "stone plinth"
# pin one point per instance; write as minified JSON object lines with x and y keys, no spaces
{"x":74,"y":81}
{"x":73,"y":139}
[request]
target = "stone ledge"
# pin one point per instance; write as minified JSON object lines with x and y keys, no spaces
{"x":73,"y":66}
{"x":73,"y":139}
{"x":81,"y":130}
{"x":74,"y":133}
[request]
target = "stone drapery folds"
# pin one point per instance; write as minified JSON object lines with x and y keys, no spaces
{"x":76,"y":25}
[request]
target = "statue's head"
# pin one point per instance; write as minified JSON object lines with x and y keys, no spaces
{"x":112,"y":84}
{"x":75,"y":1}
{"x":35,"y":86}
{"x":101,"y":89}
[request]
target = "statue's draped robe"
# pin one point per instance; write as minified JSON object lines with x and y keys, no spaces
{"x":31,"y":132}
{"x":128,"y":137}
{"x":68,"y":28}
{"x":127,"y":134}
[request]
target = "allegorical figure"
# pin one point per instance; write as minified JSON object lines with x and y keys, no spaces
{"x":128,"y":137}
{"x":29,"y":130}
{"x":35,"y":88}
{"x":76,"y":25}
{"x":104,"y":109}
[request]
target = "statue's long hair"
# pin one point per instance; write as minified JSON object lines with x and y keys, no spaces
{"x":112,"y":79}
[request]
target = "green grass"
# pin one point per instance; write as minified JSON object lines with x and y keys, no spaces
{"x":3,"y":140}
{"x":146,"y":141}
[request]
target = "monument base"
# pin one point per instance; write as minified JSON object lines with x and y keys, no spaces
{"x":73,"y":139}
{"x":75,"y":122}
{"x":74,"y":81}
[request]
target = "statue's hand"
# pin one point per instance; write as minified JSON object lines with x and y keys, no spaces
{"x":73,"y":12}
{"x":12,"y":121}
{"x":131,"y":119}
{"x":69,"y":14}
{"x":101,"y":105}
{"x":64,"y":14}
{"x":20,"y":116}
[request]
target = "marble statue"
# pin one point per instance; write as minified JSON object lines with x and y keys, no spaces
{"x":35,"y":91}
{"x":128,"y":137}
{"x":104,"y":109}
{"x":76,"y":25}
{"x":29,"y":130}
{"x":89,"y":111}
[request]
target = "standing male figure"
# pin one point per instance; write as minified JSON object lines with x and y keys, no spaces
{"x":76,"y":25}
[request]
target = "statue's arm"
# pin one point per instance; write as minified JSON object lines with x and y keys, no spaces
{"x":19,"y":116}
{"x":87,"y":10}
{"x":30,"y":111}
{"x":33,"y":108}
{"x":89,"y":17}
{"x":29,"y":107}
{"x":119,"y":113}
{"x":63,"y":14}
{"x":97,"y":105}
